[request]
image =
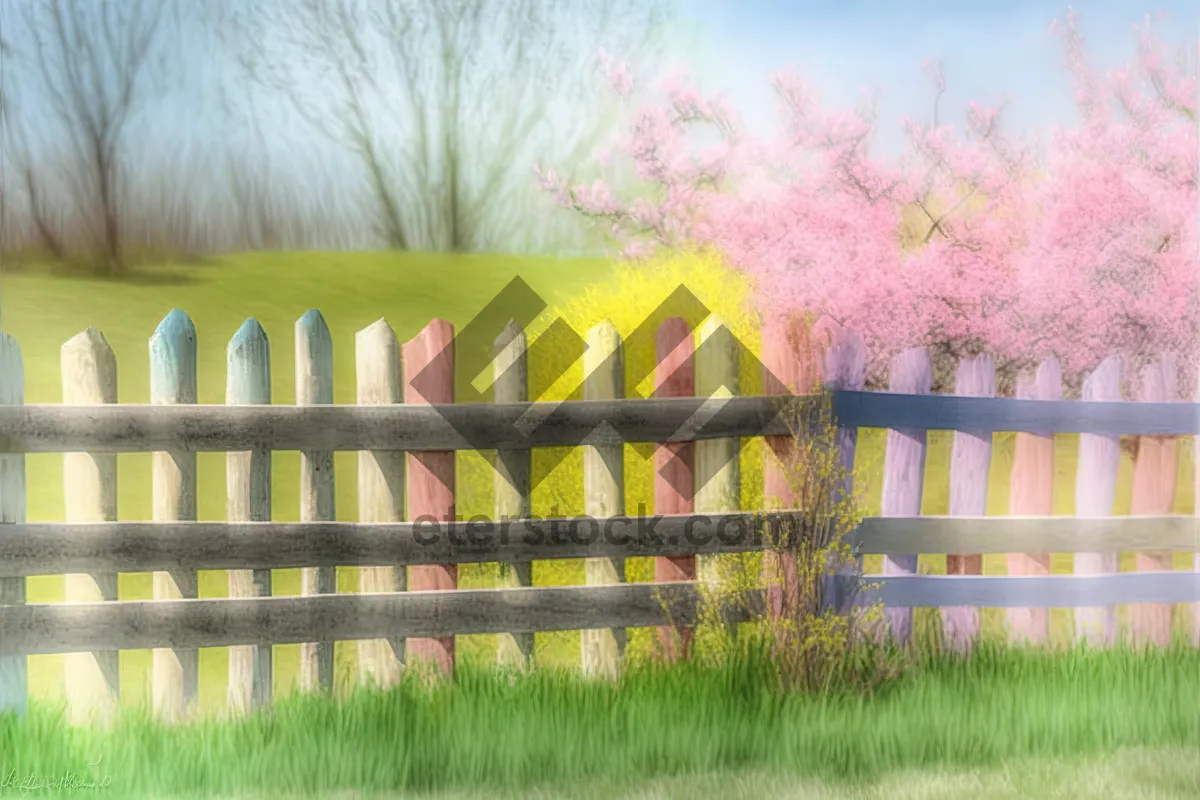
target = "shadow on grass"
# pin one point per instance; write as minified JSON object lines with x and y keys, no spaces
{"x":140,"y":275}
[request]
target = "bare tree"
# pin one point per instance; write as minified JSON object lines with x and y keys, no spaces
{"x":447,"y":103}
{"x":5,"y":191}
{"x":93,"y":66}
{"x":21,"y":174}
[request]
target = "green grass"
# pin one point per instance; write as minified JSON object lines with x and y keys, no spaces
{"x":353,"y":290}
{"x":554,"y":731}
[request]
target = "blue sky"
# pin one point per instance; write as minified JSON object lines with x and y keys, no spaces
{"x":990,"y":48}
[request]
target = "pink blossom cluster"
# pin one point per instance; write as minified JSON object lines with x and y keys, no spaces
{"x":1080,"y":246}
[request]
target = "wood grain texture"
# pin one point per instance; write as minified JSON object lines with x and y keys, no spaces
{"x":970,"y":464}
{"x":131,"y":624}
{"x":175,"y":673}
{"x":601,"y":649}
{"x":91,"y":681}
{"x":513,"y":479}
{"x":248,"y":493}
{"x":314,"y":384}
{"x":51,"y":548}
{"x":48,"y":628}
{"x":207,"y":428}
{"x":130,"y":427}
{"x":1154,"y":482}
{"x":911,"y":372}
{"x":1095,"y":494}
{"x":379,"y":375}
{"x":429,"y":368}
{"x":14,"y":669}
{"x":1031,"y":491}
{"x":674,"y":467}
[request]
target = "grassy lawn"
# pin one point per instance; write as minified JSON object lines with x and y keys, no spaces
{"x":353,"y":290}
{"x":1003,"y":724}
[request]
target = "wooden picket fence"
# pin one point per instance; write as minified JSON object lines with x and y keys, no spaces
{"x":406,"y":467}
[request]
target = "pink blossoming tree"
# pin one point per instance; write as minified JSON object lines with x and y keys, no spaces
{"x":1080,"y":247}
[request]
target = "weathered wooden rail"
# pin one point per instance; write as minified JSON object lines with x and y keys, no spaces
{"x":410,"y":606}
{"x":130,"y":428}
{"x":52,"y":548}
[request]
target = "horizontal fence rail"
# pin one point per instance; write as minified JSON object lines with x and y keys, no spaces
{"x":31,"y":549}
{"x":1024,"y":591}
{"x":934,"y":412}
{"x":48,"y":628}
{"x":409,"y":427}
{"x":45,"y":628}
{"x":481,"y":426}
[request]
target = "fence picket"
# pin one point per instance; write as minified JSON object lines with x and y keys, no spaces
{"x":429,"y":379}
{"x":718,"y":476}
{"x":248,"y":489}
{"x":1031,"y":492}
{"x":379,"y":376}
{"x":175,"y":672}
{"x":89,"y":376}
{"x":604,"y":492}
{"x":314,"y":384}
{"x":970,"y":462}
{"x":1154,"y":481}
{"x":792,"y":365}
{"x":14,"y":669}
{"x":513,"y":477}
{"x":1195,"y":630}
{"x":1095,"y":493}
{"x":904,"y":474}
{"x":674,"y":466}
{"x":844,"y":369}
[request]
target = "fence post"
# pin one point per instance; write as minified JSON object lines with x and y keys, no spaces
{"x":513,"y":478}
{"x":14,"y":670}
{"x":248,"y":488}
{"x":89,"y":375}
{"x":674,"y":467}
{"x":314,"y":385}
{"x":718,"y":468}
{"x":911,"y":372}
{"x":380,"y":491}
{"x":429,"y":368}
{"x":175,"y":675}
{"x":604,"y":492}
{"x":1031,"y":492}
{"x":1095,"y":493}
{"x":791,"y":365}
{"x":970,"y":461}
{"x":1154,"y":481}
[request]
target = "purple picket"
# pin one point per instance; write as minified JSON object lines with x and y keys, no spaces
{"x":904,"y":474}
{"x":970,"y":464}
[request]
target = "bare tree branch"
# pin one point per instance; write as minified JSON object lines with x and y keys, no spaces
{"x":446,"y":104}
{"x":93,"y":66}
